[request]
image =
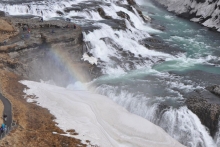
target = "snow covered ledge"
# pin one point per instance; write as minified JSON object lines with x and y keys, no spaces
{"x":97,"y":118}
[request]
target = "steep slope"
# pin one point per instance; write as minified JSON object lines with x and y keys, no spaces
{"x":205,"y":12}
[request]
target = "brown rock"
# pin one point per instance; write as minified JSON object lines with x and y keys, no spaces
{"x":207,"y":112}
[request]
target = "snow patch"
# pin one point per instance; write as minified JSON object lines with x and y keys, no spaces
{"x":97,"y":118}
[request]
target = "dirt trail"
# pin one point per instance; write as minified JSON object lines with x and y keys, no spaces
{"x":1,"y":111}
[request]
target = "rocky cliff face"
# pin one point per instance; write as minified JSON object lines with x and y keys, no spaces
{"x":205,"y":12}
{"x":207,"y":112}
{"x":38,"y":50}
{"x":206,"y":105}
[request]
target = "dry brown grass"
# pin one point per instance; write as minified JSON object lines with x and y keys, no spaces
{"x":35,"y":124}
{"x":6,"y":30}
{"x":5,"y":26}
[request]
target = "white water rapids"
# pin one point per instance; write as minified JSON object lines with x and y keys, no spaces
{"x":109,"y":45}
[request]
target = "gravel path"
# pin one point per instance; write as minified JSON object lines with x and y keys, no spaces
{"x":7,"y":110}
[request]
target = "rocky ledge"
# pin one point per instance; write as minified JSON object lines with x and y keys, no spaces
{"x":206,"y":106}
{"x":31,"y":43}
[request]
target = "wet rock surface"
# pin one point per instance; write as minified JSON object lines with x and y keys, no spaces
{"x":155,"y":43}
{"x":215,"y":89}
{"x":2,"y":13}
{"x":207,"y":107}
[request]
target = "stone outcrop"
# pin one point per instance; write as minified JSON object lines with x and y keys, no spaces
{"x":2,"y":13}
{"x":54,"y":44}
{"x":131,"y":2}
{"x":205,"y":12}
{"x":103,"y":14}
{"x":134,"y":4}
{"x":207,"y":107}
{"x":215,"y":89}
{"x":158,"y":44}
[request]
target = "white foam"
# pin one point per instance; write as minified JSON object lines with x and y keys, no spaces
{"x":186,"y":126}
{"x":168,"y":17}
{"x":180,"y":123}
{"x":77,"y":86}
{"x":127,"y":40}
{"x":91,"y":60}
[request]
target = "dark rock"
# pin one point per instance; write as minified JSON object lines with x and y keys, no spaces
{"x":131,"y":2}
{"x":123,"y":15}
{"x":208,"y":113}
{"x":128,"y":7}
{"x":159,"y":27}
{"x":11,"y":65}
{"x":102,"y":14}
{"x":68,"y":9}
{"x":115,"y":23}
{"x":2,"y":14}
{"x":215,"y":89}
{"x":156,"y":43}
{"x":163,"y":107}
{"x":59,"y":13}
{"x":200,"y":1}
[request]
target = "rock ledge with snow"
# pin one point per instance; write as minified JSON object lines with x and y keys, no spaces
{"x":205,"y":12}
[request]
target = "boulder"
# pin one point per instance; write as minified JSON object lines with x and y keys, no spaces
{"x":207,"y":107}
{"x":131,"y":2}
{"x":215,"y":89}
{"x":102,"y":14}
{"x":123,"y":15}
{"x":59,"y":13}
{"x":2,"y":14}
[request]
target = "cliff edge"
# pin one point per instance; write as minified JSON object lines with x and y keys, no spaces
{"x":205,"y":12}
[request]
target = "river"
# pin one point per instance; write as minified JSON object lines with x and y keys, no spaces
{"x":148,"y":82}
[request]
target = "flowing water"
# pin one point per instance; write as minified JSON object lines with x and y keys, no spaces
{"x":140,"y":79}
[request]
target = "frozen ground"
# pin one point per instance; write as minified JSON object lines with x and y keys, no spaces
{"x":97,"y":118}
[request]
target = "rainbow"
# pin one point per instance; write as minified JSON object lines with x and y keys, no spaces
{"x":75,"y":70}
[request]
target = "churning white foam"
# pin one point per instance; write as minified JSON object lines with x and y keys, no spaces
{"x":180,"y":122}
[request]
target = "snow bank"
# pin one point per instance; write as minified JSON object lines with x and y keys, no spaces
{"x":206,"y":12}
{"x":97,"y":118}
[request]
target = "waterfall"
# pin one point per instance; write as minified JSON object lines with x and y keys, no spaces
{"x":217,"y":135}
{"x":180,"y":123}
{"x":137,"y":77}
